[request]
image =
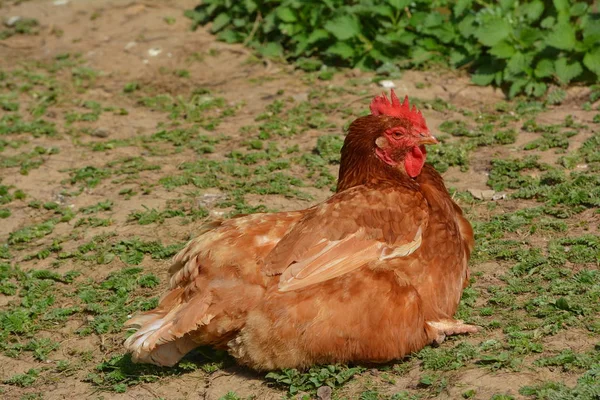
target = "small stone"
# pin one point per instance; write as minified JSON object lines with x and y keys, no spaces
{"x":60,"y":2}
{"x":130,"y":45}
{"x":153,"y":52}
{"x":300,"y":97}
{"x":12,"y":20}
{"x":387,"y":84}
{"x":209,"y":199}
{"x":101,"y":133}
{"x":499,"y":196}
{"x":482,"y":194}
{"x":60,"y":199}
{"x":216,"y":214}
{"x":324,"y":393}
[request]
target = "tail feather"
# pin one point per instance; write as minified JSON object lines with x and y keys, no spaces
{"x":161,"y":333}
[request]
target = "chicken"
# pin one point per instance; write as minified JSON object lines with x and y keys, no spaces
{"x":372,"y":274}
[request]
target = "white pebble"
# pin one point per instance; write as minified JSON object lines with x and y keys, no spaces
{"x":12,"y":20}
{"x":153,"y":52}
{"x":387,"y":84}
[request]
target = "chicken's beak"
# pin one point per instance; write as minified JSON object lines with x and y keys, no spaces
{"x":427,"y":138}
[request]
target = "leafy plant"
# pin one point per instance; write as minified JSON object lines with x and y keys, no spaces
{"x":23,"y":380}
{"x":330,"y":375}
{"x":519,"y":46}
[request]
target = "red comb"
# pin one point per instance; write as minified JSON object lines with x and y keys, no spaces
{"x":382,"y":106}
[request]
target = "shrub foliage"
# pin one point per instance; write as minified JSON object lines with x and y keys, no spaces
{"x":521,"y":46}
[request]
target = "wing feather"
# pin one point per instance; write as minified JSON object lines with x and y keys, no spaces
{"x":353,"y":228}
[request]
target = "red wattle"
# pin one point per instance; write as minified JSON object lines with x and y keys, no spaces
{"x":413,"y":163}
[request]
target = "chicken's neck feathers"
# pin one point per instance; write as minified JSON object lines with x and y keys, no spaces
{"x":364,"y":169}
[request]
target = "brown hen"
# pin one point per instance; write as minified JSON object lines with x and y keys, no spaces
{"x":372,"y":274}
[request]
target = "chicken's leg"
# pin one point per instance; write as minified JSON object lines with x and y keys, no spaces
{"x":447,"y":327}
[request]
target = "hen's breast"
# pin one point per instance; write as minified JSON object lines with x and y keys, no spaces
{"x":445,"y":250}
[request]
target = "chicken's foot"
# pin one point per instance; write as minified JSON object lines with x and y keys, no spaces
{"x":447,"y":327}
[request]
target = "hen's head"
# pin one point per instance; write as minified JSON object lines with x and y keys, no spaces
{"x":394,"y":132}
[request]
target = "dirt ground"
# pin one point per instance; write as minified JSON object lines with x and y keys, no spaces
{"x":116,"y":43}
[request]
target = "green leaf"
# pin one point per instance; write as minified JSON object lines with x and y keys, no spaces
{"x":532,"y":11}
{"x":220,"y":22}
{"x":342,"y":50}
{"x":502,"y":50}
{"x":506,"y":5}
{"x":466,"y":27}
{"x":433,"y":19}
{"x":230,"y":36}
{"x":536,"y":89}
{"x":527,"y":36}
{"x":385,"y":11}
{"x":578,"y":9}
{"x":516,"y":87}
{"x":269,"y":24}
{"x":493,"y":32}
{"x":239,"y":22}
{"x":344,"y":27}
{"x":397,"y":37}
{"x":548,"y":22}
{"x":544,"y":68}
{"x":290,"y":30}
{"x":567,"y":72}
{"x":482,"y":79}
{"x":379,"y":56}
{"x":286,"y":14}
{"x":316,"y":35}
{"x":271,"y":49}
{"x":592,"y":61}
{"x":562,"y":37}
{"x":485,"y":74}
{"x":457,"y":57}
{"x":518,"y":62}
{"x":302,"y":44}
{"x":399,"y":4}
{"x":309,"y":64}
{"x":461,"y":6}
{"x":420,"y":55}
{"x":591,"y":32}
{"x":562,"y":6}
{"x":250,"y":6}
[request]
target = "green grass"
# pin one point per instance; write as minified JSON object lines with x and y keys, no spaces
{"x":23,"y":26}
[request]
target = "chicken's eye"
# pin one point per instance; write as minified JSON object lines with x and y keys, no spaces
{"x":396,"y":133}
